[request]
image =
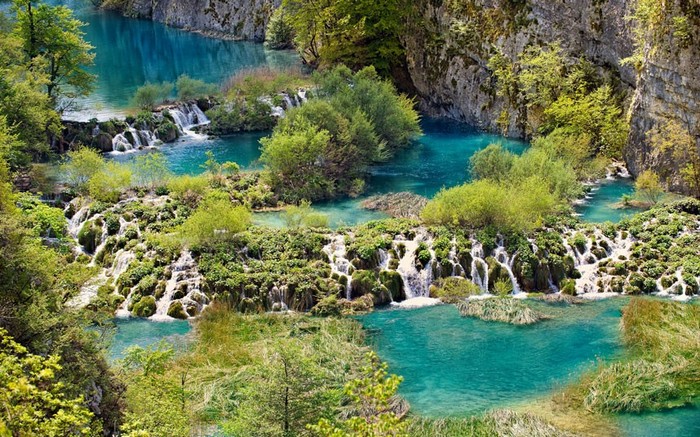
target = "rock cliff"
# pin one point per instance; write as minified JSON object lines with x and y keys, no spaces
{"x":450,"y":43}
{"x":231,"y":19}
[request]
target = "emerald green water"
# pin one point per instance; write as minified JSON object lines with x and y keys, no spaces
{"x":130,"y":52}
{"x":142,"y":332}
{"x":455,"y":366}
{"x":601,"y":208}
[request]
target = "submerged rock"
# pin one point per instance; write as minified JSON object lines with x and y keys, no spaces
{"x":399,"y":205}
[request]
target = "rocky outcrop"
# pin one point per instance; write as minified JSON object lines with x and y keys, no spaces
{"x":235,"y":19}
{"x":449,"y":45}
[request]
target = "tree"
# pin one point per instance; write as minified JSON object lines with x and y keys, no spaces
{"x":81,"y":165}
{"x":33,"y":402}
{"x":279,"y":34}
{"x":288,"y":393}
{"x":109,"y":182}
{"x":351,"y":32}
{"x":53,"y":42}
{"x":493,"y":162}
{"x":648,"y":187}
{"x":304,"y":216}
{"x":193,"y":89}
{"x":149,"y":95}
{"x":671,"y":137}
{"x":293,"y":162}
{"x":151,"y":170}
{"x":214,"y":220}
{"x":371,"y":398}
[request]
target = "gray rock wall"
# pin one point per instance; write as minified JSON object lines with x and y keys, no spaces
{"x":231,"y":19}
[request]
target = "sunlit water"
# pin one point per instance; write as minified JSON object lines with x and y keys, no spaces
{"x":131,"y":52}
{"x":144,"y":333}
{"x":455,"y":366}
{"x":606,"y":198}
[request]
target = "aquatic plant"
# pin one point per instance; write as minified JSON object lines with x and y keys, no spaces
{"x":505,"y":310}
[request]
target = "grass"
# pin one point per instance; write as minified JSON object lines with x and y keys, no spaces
{"x":500,"y":422}
{"x":264,"y":81}
{"x":506,"y":310}
{"x":661,"y":369}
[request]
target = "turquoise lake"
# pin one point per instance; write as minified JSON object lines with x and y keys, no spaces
{"x":131,"y":52}
{"x":144,"y":333}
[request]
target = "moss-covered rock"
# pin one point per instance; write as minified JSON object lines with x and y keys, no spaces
{"x":145,"y":307}
{"x":89,"y":236}
{"x":363,"y":282}
{"x":393,"y":282}
{"x":177,"y":311}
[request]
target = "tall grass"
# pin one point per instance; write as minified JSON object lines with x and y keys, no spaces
{"x":505,"y":310}
{"x":661,"y":369}
{"x":264,"y":81}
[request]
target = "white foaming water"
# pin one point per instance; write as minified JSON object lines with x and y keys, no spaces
{"x":416,"y":283}
{"x":477,"y":253}
{"x":340,"y":265}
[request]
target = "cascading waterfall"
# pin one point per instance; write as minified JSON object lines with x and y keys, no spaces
{"x":501,"y":256}
{"x":184,"y":275}
{"x":477,"y":253}
{"x":187,"y":117}
{"x":416,"y":282}
{"x":121,"y":144}
{"x":76,"y":222}
{"x":340,"y":265}
{"x":278,"y":298}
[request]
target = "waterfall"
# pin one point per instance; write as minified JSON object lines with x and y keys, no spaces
{"x":184,"y":270}
{"x":477,"y":253}
{"x":121,"y":144}
{"x":416,"y":283}
{"x":188,"y":116}
{"x":287,"y":101}
{"x":76,"y":222}
{"x":501,"y":256}
{"x":278,"y":298}
{"x":340,"y":265}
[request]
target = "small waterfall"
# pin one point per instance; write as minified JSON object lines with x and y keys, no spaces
{"x":287,"y":101}
{"x":416,"y":283}
{"x":76,"y":222}
{"x":278,"y":298}
{"x":340,"y":265}
{"x":383,"y":259}
{"x":121,"y":144}
{"x":188,"y":116}
{"x":501,"y":256}
{"x":477,"y":253}
{"x":302,"y":95}
{"x":184,"y":270}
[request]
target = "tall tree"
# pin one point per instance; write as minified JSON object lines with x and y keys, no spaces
{"x":53,"y":42}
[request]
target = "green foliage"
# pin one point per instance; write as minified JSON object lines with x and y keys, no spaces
{"x":292,"y":162}
{"x":304,"y":216}
{"x":44,"y":220}
{"x":322,"y":149}
{"x":371,"y":396}
{"x":659,"y":372}
{"x":148,"y":360}
{"x":542,"y":74}
{"x":53,"y":41}
{"x":80,"y":166}
{"x":219,"y":171}
{"x":188,"y":189}
{"x":145,"y":307}
{"x":193,"y":89}
{"x":150,"y":170}
{"x":493,"y":163}
{"x":215,"y":219}
{"x":354,"y":33}
{"x":485,"y":203}
{"x":149,"y":95}
{"x":676,"y":140}
{"x":454,"y":289}
{"x":34,"y":401}
{"x":107,"y":184}
{"x":648,"y":187}
{"x":279,"y":34}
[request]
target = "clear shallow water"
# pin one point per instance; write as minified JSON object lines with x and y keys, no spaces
{"x":454,"y":366}
{"x":679,"y":422}
{"x":600,"y":208}
{"x":142,"y":332}
{"x":130,"y":52}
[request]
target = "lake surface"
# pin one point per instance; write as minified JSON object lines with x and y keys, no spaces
{"x":144,"y":333}
{"x":455,"y":366}
{"x":131,"y":52}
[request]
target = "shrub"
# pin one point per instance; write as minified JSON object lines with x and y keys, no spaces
{"x":215,"y":219}
{"x":107,"y":184}
{"x":279,"y":34}
{"x":145,"y":307}
{"x":188,"y":189}
{"x":152,"y":94}
{"x":193,"y":89}
{"x":454,"y":289}
{"x":80,"y":166}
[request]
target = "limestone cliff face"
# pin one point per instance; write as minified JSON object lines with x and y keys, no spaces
{"x":451,"y":42}
{"x":668,"y":89}
{"x":231,"y":19}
